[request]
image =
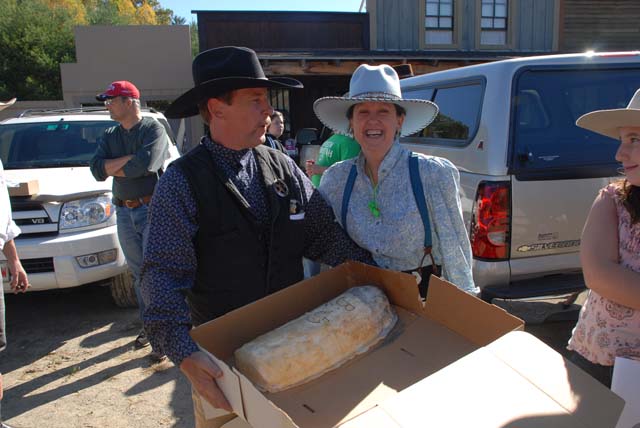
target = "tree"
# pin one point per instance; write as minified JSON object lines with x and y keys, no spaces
{"x":34,"y":40}
{"x":195,"y":41}
{"x":37,"y":35}
{"x":177,"y":20}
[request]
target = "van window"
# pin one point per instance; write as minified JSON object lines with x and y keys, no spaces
{"x":457,"y":122}
{"x":546,"y":106}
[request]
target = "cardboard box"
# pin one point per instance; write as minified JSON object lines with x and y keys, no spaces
{"x":452,"y":362}
{"x":26,"y":188}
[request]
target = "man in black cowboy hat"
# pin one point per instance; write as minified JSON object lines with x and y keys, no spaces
{"x":231,"y":220}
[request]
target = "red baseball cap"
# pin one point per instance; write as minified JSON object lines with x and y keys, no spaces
{"x":121,"y":88}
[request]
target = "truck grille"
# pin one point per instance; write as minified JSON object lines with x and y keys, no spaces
{"x":32,"y":218}
{"x":38,"y":265}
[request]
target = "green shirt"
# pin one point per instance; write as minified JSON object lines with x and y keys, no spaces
{"x":335,"y":149}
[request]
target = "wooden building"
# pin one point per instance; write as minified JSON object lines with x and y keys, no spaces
{"x":322,"y":49}
{"x":599,"y":25}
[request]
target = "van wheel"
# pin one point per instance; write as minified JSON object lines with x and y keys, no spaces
{"x":122,"y":291}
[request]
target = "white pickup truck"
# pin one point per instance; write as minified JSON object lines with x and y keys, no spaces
{"x":68,"y":225}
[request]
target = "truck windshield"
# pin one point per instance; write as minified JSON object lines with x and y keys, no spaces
{"x":547,"y":104}
{"x":50,"y":144}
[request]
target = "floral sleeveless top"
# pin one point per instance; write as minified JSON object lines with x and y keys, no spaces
{"x":606,"y":330}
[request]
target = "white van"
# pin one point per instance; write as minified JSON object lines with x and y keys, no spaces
{"x":68,"y":228}
{"x":528,"y":174}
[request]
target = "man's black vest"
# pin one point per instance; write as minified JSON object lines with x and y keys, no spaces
{"x":240,"y":261}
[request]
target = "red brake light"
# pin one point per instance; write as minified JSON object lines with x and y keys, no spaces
{"x":491,"y":221}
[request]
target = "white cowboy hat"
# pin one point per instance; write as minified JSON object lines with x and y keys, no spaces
{"x":374,"y":83}
{"x":7,"y":104}
{"x":607,"y":122}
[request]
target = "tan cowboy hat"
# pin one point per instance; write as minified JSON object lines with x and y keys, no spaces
{"x":7,"y":104}
{"x":374,"y":83}
{"x":608,"y":122}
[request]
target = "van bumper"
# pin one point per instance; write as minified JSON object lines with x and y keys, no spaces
{"x":51,"y":262}
{"x":529,"y":277}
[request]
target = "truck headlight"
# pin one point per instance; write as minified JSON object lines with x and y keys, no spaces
{"x":86,"y":212}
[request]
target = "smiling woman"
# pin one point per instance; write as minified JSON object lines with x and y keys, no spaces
{"x":391,"y":195}
{"x":609,"y":323}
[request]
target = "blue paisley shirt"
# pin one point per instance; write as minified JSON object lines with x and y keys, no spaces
{"x":396,"y":237}
{"x":169,"y":266}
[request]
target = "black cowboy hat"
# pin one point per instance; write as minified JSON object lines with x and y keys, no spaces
{"x":220,"y":70}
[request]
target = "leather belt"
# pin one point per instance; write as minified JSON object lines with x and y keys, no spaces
{"x":133,"y":203}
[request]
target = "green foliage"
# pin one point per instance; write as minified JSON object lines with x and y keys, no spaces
{"x":36,"y":36}
{"x":34,"y":40}
{"x":195,"y":42}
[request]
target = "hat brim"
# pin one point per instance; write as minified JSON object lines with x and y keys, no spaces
{"x":332,"y":112}
{"x":9,"y":103}
{"x":609,"y":122}
{"x":103,"y":97}
{"x":186,"y":105}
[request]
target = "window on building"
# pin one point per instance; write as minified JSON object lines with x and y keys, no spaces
{"x":438,"y":22}
{"x":493,"y":22}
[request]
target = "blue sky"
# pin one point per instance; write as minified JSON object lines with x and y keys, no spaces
{"x":184,"y":7}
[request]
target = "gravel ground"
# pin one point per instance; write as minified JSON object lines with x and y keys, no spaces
{"x":70,"y":362}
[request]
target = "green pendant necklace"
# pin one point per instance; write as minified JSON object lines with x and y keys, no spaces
{"x":373,"y":204}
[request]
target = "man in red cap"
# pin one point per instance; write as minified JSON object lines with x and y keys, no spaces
{"x":133,"y":153}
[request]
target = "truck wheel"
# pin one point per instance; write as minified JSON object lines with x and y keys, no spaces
{"x":122,"y":290}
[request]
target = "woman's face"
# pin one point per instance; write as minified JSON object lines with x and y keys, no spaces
{"x":629,"y":153}
{"x":375,"y":125}
{"x":277,"y":126}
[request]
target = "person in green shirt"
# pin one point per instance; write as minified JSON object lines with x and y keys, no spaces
{"x":335,"y":149}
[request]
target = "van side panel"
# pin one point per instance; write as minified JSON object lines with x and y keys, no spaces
{"x":548,"y":216}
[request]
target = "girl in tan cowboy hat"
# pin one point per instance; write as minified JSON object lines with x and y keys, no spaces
{"x":403,"y":207}
{"x":609,"y":322}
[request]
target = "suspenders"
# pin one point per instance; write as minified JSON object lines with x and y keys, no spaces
{"x":418,"y":194}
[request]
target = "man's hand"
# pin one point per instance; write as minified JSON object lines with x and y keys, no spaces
{"x":311,"y":168}
{"x":114,"y":166}
{"x":19,"y":281}
{"x":202,"y":373}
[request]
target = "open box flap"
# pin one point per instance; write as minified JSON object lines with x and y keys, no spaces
{"x":262,"y":412}
{"x":590,"y":401}
{"x":478,"y":321}
{"x":374,"y":418}
{"x":478,"y":391}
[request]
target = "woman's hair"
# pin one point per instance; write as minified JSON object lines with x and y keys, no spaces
{"x":400,"y":111}
{"x":630,"y":196}
{"x":277,"y":113}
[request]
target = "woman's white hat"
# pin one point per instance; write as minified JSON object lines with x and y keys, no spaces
{"x":374,"y":83}
{"x":7,"y":104}
{"x":607,"y":122}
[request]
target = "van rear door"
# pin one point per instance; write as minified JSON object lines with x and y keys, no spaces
{"x":556,"y":167}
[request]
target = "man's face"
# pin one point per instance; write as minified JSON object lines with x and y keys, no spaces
{"x":246,"y":118}
{"x":118,"y":107}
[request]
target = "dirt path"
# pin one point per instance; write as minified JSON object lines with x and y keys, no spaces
{"x":70,"y":362}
